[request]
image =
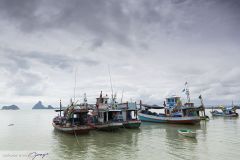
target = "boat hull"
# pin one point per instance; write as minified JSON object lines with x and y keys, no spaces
{"x":175,"y":120}
{"x":220,"y":114}
{"x":108,"y":126}
{"x":132,"y":124}
{"x":206,"y":118}
{"x":73,"y":130}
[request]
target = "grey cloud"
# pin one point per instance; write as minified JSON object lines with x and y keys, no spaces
{"x":124,"y":21}
{"x":26,"y":83}
{"x":153,"y":46}
{"x":96,"y":44}
{"x":16,"y":59}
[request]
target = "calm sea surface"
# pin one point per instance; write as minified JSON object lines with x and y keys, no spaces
{"x":33,"y":134}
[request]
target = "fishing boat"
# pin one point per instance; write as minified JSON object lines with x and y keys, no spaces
{"x":130,"y":114}
{"x":105,"y":116}
{"x":74,"y":119}
{"x":187,"y":133}
{"x":226,"y":112}
{"x":174,"y":111}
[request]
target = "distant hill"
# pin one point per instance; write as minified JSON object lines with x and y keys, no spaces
{"x":50,"y":107}
{"x":12,"y":107}
{"x":39,"y":105}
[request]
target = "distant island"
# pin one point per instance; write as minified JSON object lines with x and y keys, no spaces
{"x":11,"y":107}
{"x":39,"y":105}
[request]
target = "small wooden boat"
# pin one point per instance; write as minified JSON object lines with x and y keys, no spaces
{"x":187,"y":133}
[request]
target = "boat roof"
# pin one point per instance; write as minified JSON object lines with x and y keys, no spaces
{"x":152,"y":106}
{"x":173,"y":96}
{"x":58,"y":110}
{"x":114,"y":110}
{"x":79,"y":110}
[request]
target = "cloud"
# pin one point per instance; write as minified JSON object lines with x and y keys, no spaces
{"x":26,"y":83}
{"x":152,"y":47}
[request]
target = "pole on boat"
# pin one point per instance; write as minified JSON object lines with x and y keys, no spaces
{"x":200,"y":97}
{"x":75,"y":85}
{"x":140,"y":104}
{"x":60,"y":108}
{"x":187,"y":92}
{"x":136,"y":112}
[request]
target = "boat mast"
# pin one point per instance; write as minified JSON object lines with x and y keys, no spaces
{"x":110,"y":82}
{"x":74,"y":91}
{"x":122,"y":95}
{"x":85,"y":100}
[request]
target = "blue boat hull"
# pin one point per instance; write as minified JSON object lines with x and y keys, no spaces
{"x":175,"y":120}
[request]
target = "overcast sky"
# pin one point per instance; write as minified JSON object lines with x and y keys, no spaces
{"x":152,"y":48}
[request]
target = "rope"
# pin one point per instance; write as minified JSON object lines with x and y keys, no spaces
{"x":76,"y":136}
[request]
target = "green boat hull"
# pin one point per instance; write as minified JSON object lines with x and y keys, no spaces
{"x":131,"y":125}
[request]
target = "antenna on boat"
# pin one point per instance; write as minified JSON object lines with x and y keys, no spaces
{"x":110,"y":80}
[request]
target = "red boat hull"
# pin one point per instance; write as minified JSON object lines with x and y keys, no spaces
{"x":73,"y":130}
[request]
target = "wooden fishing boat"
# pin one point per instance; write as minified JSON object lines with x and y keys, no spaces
{"x":74,"y":120}
{"x":130,"y":115}
{"x":106,"y":117}
{"x":187,"y":133}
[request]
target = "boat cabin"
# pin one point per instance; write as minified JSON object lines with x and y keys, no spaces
{"x":102,"y":102}
{"x":129,"y":110}
{"x":106,"y":116}
{"x":78,"y":117}
{"x":173,"y":101}
{"x":105,"y":113}
{"x":189,"y":104}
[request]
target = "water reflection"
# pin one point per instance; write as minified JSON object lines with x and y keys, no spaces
{"x":96,"y":145}
{"x":151,"y":141}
